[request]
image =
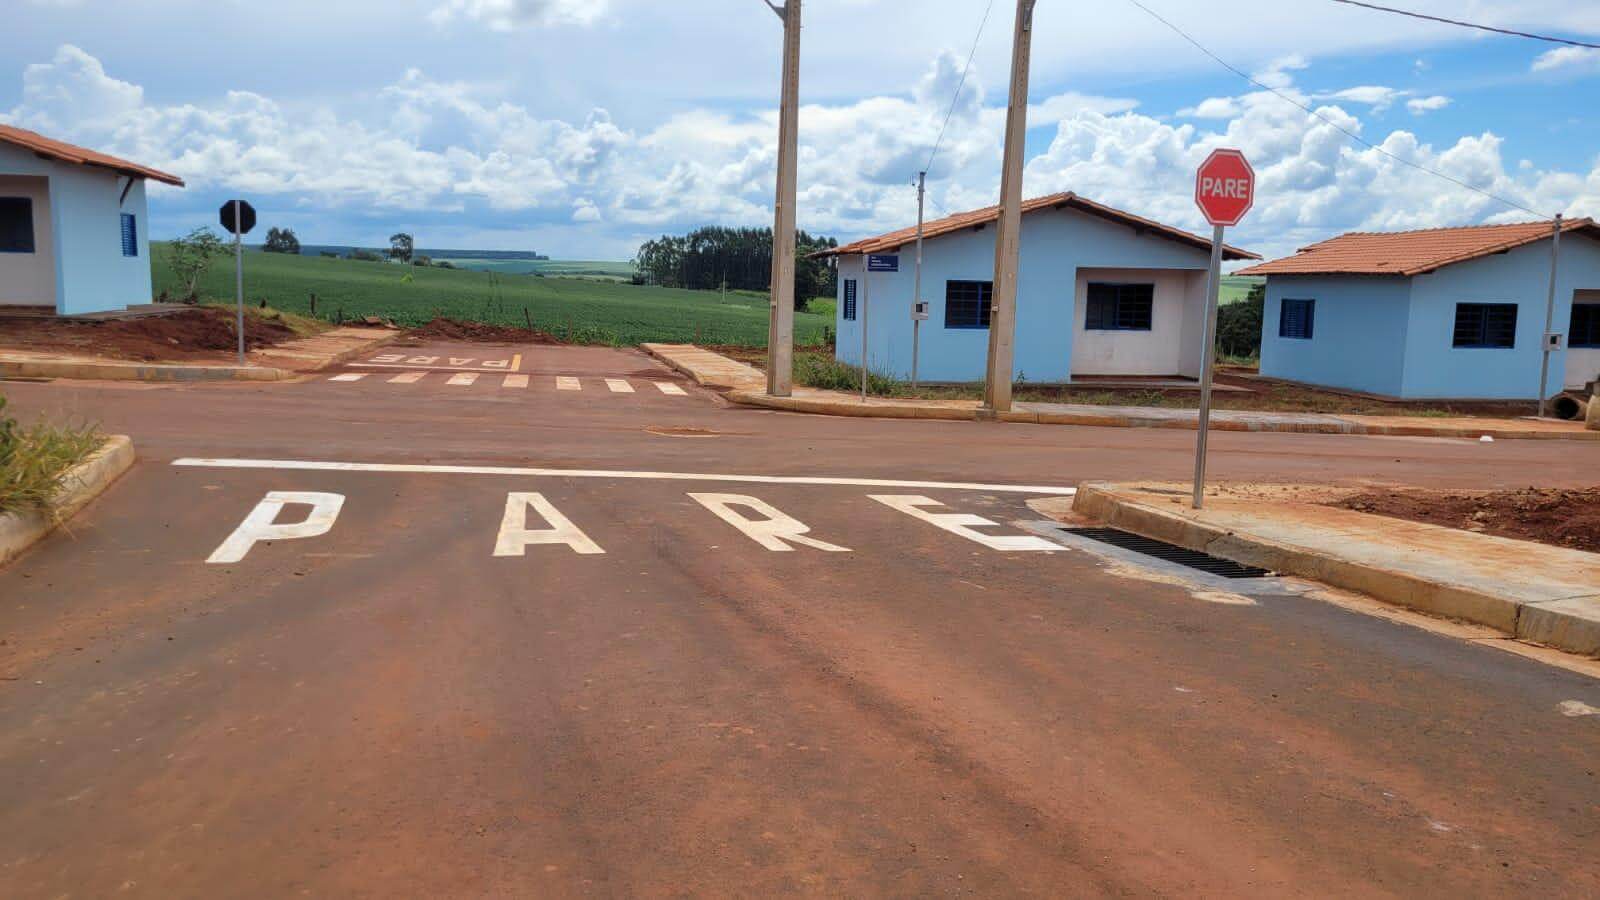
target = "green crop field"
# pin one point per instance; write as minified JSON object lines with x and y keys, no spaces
{"x":588,"y":311}
{"x":1235,"y":288}
{"x":602,"y":268}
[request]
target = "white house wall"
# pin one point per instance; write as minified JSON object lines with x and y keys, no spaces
{"x":1159,"y":351}
{"x":29,"y":279}
{"x":1055,"y":244}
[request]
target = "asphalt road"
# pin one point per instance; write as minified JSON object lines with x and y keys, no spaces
{"x":471,"y":674}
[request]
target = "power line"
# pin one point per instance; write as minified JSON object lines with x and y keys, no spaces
{"x":1417,"y":15}
{"x":1345,"y":131}
{"x":963,"y":83}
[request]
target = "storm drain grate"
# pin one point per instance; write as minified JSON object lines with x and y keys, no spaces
{"x":1194,"y":559}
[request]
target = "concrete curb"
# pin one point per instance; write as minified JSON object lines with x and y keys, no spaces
{"x":1571,"y":624}
{"x":109,"y":371}
{"x":81,"y":483}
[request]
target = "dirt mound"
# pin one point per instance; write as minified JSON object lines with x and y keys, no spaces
{"x":1560,"y":517}
{"x":199,"y":332}
{"x":457,"y":330}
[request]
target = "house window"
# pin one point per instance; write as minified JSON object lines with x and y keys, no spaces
{"x":130,"y":235}
{"x":850,"y":299}
{"x":1585,"y":330}
{"x":1119,"y":307}
{"x":1485,"y":325}
{"x":967,"y":303}
{"x":16,"y":225}
{"x":1296,"y":318}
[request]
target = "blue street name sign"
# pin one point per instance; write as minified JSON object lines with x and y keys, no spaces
{"x":883,"y":262}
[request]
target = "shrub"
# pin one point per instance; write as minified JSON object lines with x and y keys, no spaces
{"x":33,"y":458}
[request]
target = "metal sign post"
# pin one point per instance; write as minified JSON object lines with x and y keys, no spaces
{"x":876,"y":262}
{"x":239,"y":218}
{"x":1224,"y":189}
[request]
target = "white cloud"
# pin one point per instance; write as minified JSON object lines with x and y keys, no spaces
{"x":1568,"y":59}
{"x":463,"y":154}
{"x":506,"y":15}
{"x":1376,"y":96}
{"x":1212,"y":108}
{"x":1420,"y":105}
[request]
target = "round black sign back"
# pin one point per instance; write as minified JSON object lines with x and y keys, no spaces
{"x":246,"y":217}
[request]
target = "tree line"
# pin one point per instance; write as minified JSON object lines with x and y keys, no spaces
{"x":715,"y":257}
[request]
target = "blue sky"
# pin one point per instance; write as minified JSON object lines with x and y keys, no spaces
{"x":581,"y":127}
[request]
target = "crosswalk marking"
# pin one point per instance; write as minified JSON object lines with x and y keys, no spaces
{"x":619,"y":386}
{"x":463,"y":378}
{"x":515,"y":381}
{"x":407,"y":378}
{"x":349,"y":376}
{"x":567,"y":383}
{"x":670,"y":389}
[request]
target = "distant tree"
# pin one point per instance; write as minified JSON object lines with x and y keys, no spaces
{"x":192,"y":255}
{"x":1239,"y":324}
{"x":738,"y":258}
{"x":281,"y":240}
{"x":361,"y":255}
{"x":401,"y":247}
{"x":422,"y":261}
{"x":444,"y":264}
{"x":330,"y":254}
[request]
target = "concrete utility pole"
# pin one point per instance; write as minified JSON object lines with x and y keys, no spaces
{"x":780,"y":321}
{"x":916,"y":286}
{"x":1549,"y":316}
{"x":1008,"y":231}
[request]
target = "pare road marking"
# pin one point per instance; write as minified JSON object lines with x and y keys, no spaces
{"x":768,"y":526}
{"x":619,"y":386}
{"x":466,"y":363}
{"x":429,"y":469}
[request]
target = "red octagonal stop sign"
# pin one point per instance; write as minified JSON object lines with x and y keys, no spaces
{"x":1225,"y":187}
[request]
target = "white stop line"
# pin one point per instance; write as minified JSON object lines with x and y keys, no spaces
{"x":424,"y":469}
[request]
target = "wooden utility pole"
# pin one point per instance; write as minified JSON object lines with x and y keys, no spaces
{"x":780,"y":318}
{"x":1008,"y":231}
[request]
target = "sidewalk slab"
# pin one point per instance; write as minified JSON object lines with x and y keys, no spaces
{"x":278,"y":363}
{"x":708,"y":369}
{"x":747,"y":386}
{"x":80,"y":484}
{"x":1550,"y":595}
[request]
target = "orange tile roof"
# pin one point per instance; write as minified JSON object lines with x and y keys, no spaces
{"x":53,"y":149}
{"x":976,"y":217}
{"x":1407,"y":253}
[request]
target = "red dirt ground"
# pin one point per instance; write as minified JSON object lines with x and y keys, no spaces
{"x":456,"y":330}
{"x":190,"y":334}
{"x":1561,"y":518}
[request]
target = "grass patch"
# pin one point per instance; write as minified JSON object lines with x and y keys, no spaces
{"x":584,"y":311}
{"x":34,"y":457}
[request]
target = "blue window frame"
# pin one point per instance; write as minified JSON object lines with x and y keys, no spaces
{"x":967,"y":303}
{"x":1485,"y":325}
{"x":16,"y":225}
{"x":1119,"y":307}
{"x":1297,"y":318}
{"x":130,"y":235}
{"x":1585,"y":328}
{"x":849,"y":299}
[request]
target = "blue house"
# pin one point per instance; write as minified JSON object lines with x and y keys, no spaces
{"x":1443,"y":313}
{"x":1099,"y":292}
{"x":74,"y":232}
